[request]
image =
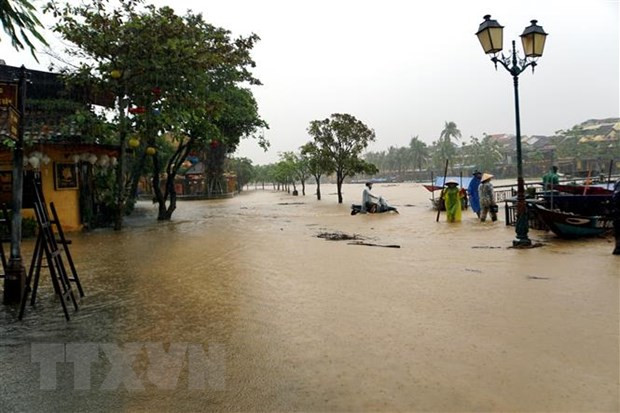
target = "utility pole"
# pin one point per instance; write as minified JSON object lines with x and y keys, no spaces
{"x":15,"y":277}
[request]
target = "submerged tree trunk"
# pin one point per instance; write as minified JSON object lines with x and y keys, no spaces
{"x":119,"y":196}
{"x":339,"y":180}
{"x":303,"y":187}
{"x":318,"y":187}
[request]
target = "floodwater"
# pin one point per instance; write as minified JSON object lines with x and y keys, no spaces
{"x":454,"y":320}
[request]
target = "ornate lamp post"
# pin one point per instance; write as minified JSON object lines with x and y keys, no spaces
{"x":490,"y":34}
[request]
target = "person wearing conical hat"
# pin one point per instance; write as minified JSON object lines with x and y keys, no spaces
{"x":452,"y":200}
{"x":487,"y":200}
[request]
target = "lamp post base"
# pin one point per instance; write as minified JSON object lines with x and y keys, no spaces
{"x":522,"y":243}
{"x":14,"y":282}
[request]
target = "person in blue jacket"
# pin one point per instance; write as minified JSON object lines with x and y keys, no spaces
{"x":472,"y":191}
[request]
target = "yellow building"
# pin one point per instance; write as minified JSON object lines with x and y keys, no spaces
{"x":65,"y":170}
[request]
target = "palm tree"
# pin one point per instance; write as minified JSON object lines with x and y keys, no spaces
{"x":419,"y":152}
{"x":450,"y":131}
{"x":17,"y":18}
{"x":445,"y":148}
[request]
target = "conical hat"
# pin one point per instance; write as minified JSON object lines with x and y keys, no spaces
{"x":486,"y":176}
{"x":452,"y":181}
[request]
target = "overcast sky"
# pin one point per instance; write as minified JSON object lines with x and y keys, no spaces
{"x":405,"y":67}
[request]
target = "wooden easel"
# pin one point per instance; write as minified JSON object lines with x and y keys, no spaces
{"x":48,"y":245}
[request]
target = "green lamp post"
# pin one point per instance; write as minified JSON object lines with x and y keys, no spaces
{"x":490,"y":35}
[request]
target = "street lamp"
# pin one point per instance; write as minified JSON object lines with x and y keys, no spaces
{"x":490,"y":34}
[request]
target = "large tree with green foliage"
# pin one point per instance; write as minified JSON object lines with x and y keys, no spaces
{"x":19,"y":19}
{"x":343,"y":138}
{"x":171,"y":75}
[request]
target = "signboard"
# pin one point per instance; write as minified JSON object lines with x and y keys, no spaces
{"x":13,"y":123}
{"x":8,"y":94}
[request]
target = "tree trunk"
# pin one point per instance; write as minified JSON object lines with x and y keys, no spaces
{"x":303,"y":187}
{"x":119,"y":197}
{"x":339,"y":179}
{"x":318,"y":187}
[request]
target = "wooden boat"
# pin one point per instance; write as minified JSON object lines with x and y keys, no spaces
{"x":588,"y":205}
{"x":583,"y":189}
{"x":569,"y":225}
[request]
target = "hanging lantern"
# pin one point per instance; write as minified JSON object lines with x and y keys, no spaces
{"x":113,"y":161}
{"x":214,"y":144}
{"x":75,"y":158}
{"x":150,"y":151}
{"x":133,"y":142}
{"x":103,"y":162}
{"x":84,"y":157}
{"x":34,"y":162}
{"x":45,"y":159}
{"x":156,"y":91}
{"x":116,"y":74}
{"x":137,"y":110}
{"x":92,"y":158}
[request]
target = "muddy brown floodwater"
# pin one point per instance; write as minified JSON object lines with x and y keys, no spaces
{"x":451,"y":321}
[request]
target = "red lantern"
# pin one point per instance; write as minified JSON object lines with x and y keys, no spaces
{"x":138,"y":110}
{"x":214,"y":144}
{"x":156,"y":91}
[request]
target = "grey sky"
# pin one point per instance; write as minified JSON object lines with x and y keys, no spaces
{"x":405,"y":67}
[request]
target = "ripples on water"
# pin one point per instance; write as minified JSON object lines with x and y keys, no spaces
{"x":309,"y":324}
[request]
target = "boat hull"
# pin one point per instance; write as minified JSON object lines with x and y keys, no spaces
{"x":567,"y":225}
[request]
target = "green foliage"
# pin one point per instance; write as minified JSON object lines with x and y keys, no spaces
{"x":184,"y":74}
{"x":243,"y":168}
{"x":18,"y":18}
{"x":29,"y":227}
{"x":318,"y":162}
{"x":342,"y":138}
{"x":484,"y":154}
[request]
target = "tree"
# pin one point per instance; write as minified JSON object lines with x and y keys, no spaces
{"x":444,"y":147}
{"x":172,"y":75}
{"x":483,"y":154}
{"x":318,"y":163}
{"x":343,"y":138}
{"x":18,"y":18}
{"x":419,"y":152}
{"x":243,"y":169}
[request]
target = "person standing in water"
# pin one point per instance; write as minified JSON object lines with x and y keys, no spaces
{"x":452,"y":199}
{"x":487,"y":200}
{"x":472,"y":190}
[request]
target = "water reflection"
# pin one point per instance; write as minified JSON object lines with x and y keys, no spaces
{"x":451,"y":321}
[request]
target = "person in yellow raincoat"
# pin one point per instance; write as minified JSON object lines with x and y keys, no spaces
{"x":452,"y":199}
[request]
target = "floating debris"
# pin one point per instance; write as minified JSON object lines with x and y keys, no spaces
{"x":472,"y":270}
{"x":535,"y":277}
{"x":486,"y":247}
{"x":369,"y":244}
{"x":339,"y":236}
{"x":291,"y":203}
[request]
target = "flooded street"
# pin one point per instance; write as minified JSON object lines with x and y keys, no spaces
{"x":454,"y":320}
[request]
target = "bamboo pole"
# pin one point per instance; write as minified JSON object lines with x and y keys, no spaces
{"x":445,"y":174}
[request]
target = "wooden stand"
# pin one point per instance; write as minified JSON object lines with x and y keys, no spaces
{"x":53,"y":249}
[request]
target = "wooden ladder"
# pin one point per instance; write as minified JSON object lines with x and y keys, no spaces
{"x":53,"y":249}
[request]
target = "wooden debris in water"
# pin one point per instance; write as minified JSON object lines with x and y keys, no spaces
{"x":338,"y":236}
{"x":369,"y":244}
{"x":535,"y":277}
